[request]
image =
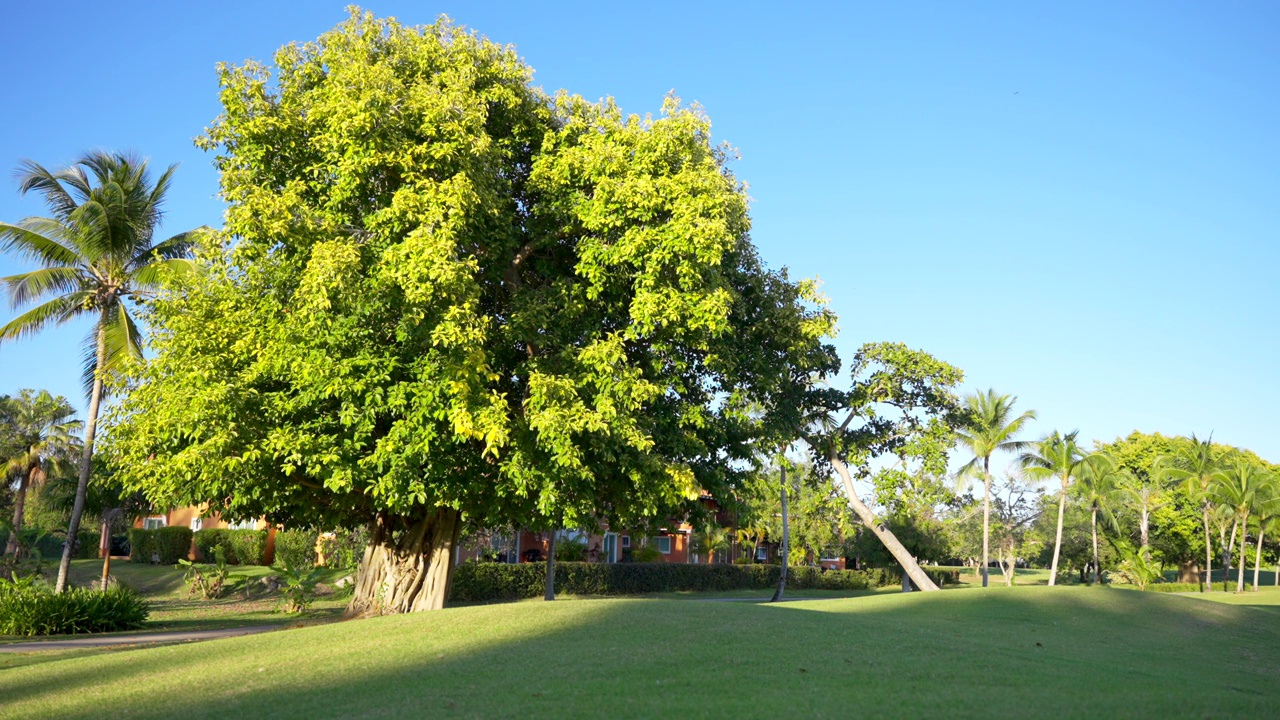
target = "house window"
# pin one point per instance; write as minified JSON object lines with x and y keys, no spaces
{"x":153,"y":523}
{"x":664,"y":544}
{"x":626,"y":541}
{"x":245,"y":525}
{"x":196,"y":524}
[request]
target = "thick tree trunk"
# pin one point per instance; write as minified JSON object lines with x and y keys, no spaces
{"x":19,"y":503}
{"x":86,"y":458}
{"x":786,"y":541}
{"x":1208,"y":553}
{"x":891,"y":543}
{"x":986,"y":521}
{"x":407,"y":565}
{"x":1094,"y":522}
{"x":549,"y":582}
{"x":1057,"y":543}
{"x":1257,"y":558}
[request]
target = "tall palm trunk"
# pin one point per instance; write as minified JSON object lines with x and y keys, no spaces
{"x":1208,"y":553}
{"x":786,"y":541}
{"x":86,"y":457}
{"x":1244,"y":544}
{"x":884,"y":534}
{"x":19,"y":504}
{"x":1257,"y":557}
{"x":1228,"y":551}
{"x":1094,"y":522}
{"x":986,"y":518}
{"x":1057,"y":543}
{"x":1145,"y":530}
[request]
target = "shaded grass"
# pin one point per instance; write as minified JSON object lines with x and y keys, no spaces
{"x":1066,"y":652}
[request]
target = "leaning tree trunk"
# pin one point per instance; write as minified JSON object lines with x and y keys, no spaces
{"x":786,"y":541}
{"x":1094,"y":520}
{"x":886,"y":536}
{"x":549,"y":583}
{"x":986,"y":521}
{"x":19,"y":503}
{"x":408,"y":564}
{"x":1208,"y":553}
{"x":1257,"y":557}
{"x":86,"y":457}
{"x":1057,"y":543}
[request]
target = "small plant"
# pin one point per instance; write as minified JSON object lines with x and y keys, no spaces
{"x":297,"y":588}
{"x":208,"y":580}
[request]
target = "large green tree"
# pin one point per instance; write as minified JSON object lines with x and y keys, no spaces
{"x":43,"y":440}
{"x":97,"y":253}
{"x":1054,"y":456}
{"x":988,"y":426}
{"x":1237,"y":485}
{"x":1193,"y":466}
{"x":443,"y":295}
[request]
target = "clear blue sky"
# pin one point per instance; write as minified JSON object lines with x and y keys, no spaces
{"x":1076,"y":204}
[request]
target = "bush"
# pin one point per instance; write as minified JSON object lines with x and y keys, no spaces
{"x":296,"y":548}
{"x":171,"y":544}
{"x":49,"y":545}
{"x":29,"y":608}
{"x":297,"y":588}
{"x":140,"y":545}
{"x":645,"y":554}
{"x":481,"y":582}
{"x":208,"y":541}
{"x":247,"y":546}
{"x":571,"y":550}
{"x":1173,"y":587}
{"x":344,"y":549}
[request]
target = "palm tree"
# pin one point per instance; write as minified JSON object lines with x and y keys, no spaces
{"x":1238,"y":484}
{"x":1267,"y":512}
{"x":96,"y":252}
{"x":1194,"y":466}
{"x":987,"y":427}
{"x":711,"y":540}
{"x":43,"y":440}
{"x":1055,"y":455}
{"x":1098,"y":485}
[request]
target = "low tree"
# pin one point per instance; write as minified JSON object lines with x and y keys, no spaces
{"x":1018,"y":505}
{"x":1266,"y":513}
{"x":446,"y":296}
{"x":42,"y":442}
{"x":1054,"y":456}
{"x":1098,"y":485}
{"x":1238,"y":484}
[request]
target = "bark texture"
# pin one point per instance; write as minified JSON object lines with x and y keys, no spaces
{"x":86,"y":457}
{"x":786,"y":543}
{"x":1057,"y":543}
{"x":986,"y":521}
{"x":407,"y":565}
{"x":886,"y":536}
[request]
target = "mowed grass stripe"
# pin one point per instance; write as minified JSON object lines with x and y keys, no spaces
{"x":1100,"y":652}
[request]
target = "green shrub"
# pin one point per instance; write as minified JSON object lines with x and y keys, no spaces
{"x":344,"y":549}
{"x":49,"y":545}
{"x":645,"y":554}
{"x":248,"y":546}
{"x":297,"y":588}
{"x":141,"y":545}
{"x":571,"y":550}
{"x":482,"y":582}
{"x":208,"y":541}
{"x":30,"y":608}
{"x":296,"y":547}
{"x":171,"y":544}
{"x":1173,"y":587}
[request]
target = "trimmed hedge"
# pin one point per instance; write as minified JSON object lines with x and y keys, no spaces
{"x":239,"y":547}
{"x":50,"y":546}
{"x":33,"y":609}
{"x":168,"y":543}
{"x":483,"y":582}
{"x":296,"y":548}
{"x":1173,"y":587}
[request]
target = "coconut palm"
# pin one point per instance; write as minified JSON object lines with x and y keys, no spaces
{"x":1147,"y":497}
{"x":1057,"y":456}
{"x":1237,"y":486}
{"x":1266,"y":512}
{"x":1193,"y":466}
{"x":1098,"y":484}
{"x":42,"y":443}
{"x":711,"y":540}
{"x":97,"y":253}
{"x":987,"y":427}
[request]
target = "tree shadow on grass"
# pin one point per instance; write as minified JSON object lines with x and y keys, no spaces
{"x":1067,"y":652}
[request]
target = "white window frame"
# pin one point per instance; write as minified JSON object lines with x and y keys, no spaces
{"x":155,"y":522}
{"x":611,"y":547}
{"x":244,"y":525}
{"x":197,"y":524}
{"x":626,"y":541}
{"x":664,"y":539}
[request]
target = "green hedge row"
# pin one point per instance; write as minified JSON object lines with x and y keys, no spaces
{"x":1173,"y":587}
{"x":33,"y":609}
{"x":50,"y":546}
{"x":167,"y":543}
{"x":482,"y":582}
{"x":297,"y":548}
{"x":239,"y":547}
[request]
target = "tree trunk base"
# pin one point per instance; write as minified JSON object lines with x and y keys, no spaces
{"x":407,"y":565}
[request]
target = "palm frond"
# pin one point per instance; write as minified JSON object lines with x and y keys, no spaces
{"x":25,"y":241}
{"x":55,"y":312}
{"x":25,"y":288}
{"x":122,"y":342}
{"x":33,"y":176}
{"x":148,"y":278}
{"x":178,"y":246}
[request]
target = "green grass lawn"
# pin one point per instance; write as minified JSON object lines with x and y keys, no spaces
{"x":1061,"y":652}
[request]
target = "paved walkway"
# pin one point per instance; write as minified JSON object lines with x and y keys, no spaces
{"x":91,"y":641}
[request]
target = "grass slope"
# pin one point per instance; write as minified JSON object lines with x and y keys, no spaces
{"x":1065,"y":652}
